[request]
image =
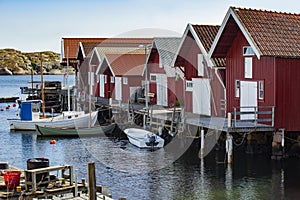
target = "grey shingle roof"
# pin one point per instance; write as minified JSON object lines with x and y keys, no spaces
{"x":167,"y":48}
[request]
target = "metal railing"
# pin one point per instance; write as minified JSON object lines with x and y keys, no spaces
{"x":254,"y":114}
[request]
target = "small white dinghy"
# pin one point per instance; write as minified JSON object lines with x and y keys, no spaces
{"x":144,"y":139}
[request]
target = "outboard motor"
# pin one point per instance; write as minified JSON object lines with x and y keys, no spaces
{"x":152,"y":141}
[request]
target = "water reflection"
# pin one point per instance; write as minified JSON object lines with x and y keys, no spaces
{"x":138,"y":174}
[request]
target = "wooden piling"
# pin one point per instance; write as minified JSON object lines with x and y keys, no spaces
{"x":92,"y":181}
{"x":202,"y":144}
{"x":229,"y":148}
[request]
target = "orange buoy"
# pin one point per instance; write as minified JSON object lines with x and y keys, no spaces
{"x":14,"y":105}
{"x":7,"y":107}
{"x":52,"y":141}
{"x":1,"y":109}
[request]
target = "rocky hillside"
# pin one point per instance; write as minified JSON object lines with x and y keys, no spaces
{"x":14,"y":62}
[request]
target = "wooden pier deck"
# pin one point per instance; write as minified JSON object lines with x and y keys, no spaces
{"x":8,"y":99}
{"x":160,"y":114}
{"x":221,"y":124}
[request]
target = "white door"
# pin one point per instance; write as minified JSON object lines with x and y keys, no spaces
{"x":248,"y":98}
{"x":201,"y":96}
{"x":118,"y":88}
{"x":101,"y":84}
{"x":162,"y":89}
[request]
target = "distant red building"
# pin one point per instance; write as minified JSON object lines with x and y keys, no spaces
{"x":121,"y":76}
{"x":90,"y":55}
{"x":262,"y":62}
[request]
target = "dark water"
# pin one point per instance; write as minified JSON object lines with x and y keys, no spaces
{"x":140,"y":174}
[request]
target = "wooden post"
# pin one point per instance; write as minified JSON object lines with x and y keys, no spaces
{"x":202,"y":144}
{"x":71,"y":171}
{"x":33,"y":179}
{"x":76,"y":186}
{"x":229,"y":148}
{"x":92,"y":181}
{"x":229,"y":120}
{"x":234,"y":114}
{"x":42,"y":87}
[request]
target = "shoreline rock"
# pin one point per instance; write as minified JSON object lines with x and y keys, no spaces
{"x":5,"y":71}
{"x":14,"y":62}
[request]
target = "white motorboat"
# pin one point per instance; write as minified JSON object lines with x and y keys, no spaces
{"x":30,"y":116}
{"x":144,"y":139}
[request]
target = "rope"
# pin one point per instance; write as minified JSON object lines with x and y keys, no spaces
{"x":242,"y":139}
{"x":292,"y":139}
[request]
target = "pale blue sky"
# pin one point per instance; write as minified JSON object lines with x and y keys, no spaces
{"x":36,"y":25}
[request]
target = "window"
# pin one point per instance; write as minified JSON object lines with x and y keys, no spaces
{"x":105,"y":78}
{"x":125,"y":80}
{"x":153,"y":78}
{"x":200,"y":65}
{"x":112,"y":79}
{"x":261,"y":90}
{"x":189,"y":86}
{"x":248,"y":67}
{"x":248,"y":51}
{"x":237,"y":88}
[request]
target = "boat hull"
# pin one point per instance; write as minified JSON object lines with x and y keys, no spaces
{"x":142,"y":138}
{"x":72,"y":132}
{"x":70,"y":121}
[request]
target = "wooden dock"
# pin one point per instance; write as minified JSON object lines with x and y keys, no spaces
{"x":62,"y":186}
{"x":160,"y":115}
{"x":8,"y":99}
{"x":221,"y":124}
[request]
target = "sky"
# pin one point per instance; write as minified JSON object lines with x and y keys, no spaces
{"x":39,"y":25}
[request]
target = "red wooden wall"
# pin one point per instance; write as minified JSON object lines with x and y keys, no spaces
{"x":281,"y":78}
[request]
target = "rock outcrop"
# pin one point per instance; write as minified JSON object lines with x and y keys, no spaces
{"x":14,"y":62}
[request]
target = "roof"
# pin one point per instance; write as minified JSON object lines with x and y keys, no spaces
{"x":207,"y":34}
{"x":269,"y":33}
{"x":114,"y":44}
{"x":204,"y":36}
{"x":86,"y":45}
{"x":167,"y":48}
{"x":126,"y":64}
{"x":100,"y":52}
{"x":118,"y":50}
{"x":69,"y":46}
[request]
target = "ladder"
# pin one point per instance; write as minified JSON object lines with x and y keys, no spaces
{"x":148,"y":116}
{"x":130,"y":114}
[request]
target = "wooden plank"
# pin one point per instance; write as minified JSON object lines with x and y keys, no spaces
{"x":47,"y":169}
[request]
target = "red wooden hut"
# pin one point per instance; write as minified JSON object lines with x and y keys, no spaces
{"x":262,"y":62}
{"x":161,"y":75}
{"x":204,"y":88}
{"x":121,"y":76}
{"x":87,"y":57}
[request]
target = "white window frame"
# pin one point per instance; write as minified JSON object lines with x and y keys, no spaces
{"x":153,"y":76}
{"x":237,"y":87}
{"x":248,"y":67}
{"x":125,"y":80}
{"x":200,"y":60}
{"x":248,"y":51}
{"x":105,"y":78}
{"x":112,"y":79}
{"x":261,"y":90}
{"x":189,"y":86}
